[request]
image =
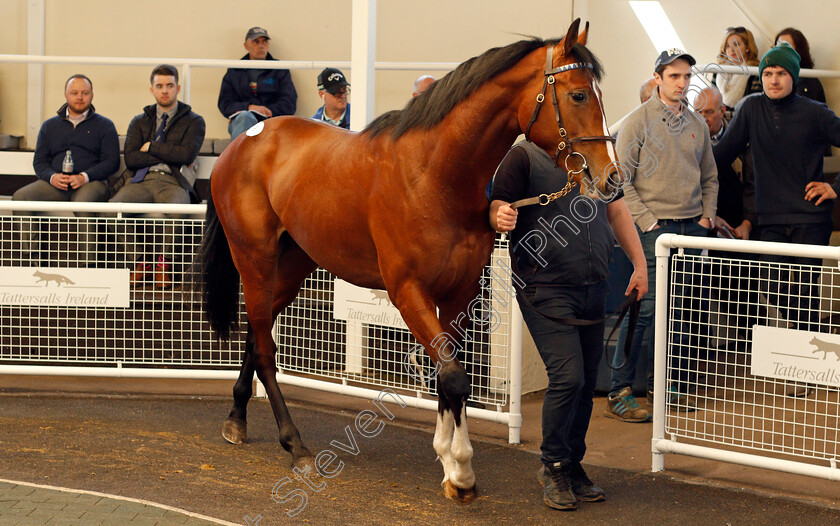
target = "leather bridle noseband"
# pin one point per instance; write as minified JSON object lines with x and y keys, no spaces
{"x":565,"y":143}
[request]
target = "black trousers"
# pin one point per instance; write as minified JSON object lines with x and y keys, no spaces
{"x":571,"y":355}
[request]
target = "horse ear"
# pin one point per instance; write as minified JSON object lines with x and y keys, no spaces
{"x":583,"y":34}
{"x":571,"y":37}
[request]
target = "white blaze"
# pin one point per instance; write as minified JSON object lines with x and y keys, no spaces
{"x":610,"y":146}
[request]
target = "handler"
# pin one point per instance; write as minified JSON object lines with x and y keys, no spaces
{"x":563,"y":251}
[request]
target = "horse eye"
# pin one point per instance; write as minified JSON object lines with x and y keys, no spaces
{"x":579,"y":97}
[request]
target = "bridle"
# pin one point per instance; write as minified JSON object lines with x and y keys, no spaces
{"x":565,"y":143}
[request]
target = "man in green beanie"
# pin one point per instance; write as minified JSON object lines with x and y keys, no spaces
{"x":788,"y":199}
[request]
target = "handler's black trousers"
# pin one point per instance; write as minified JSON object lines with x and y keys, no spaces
{"x":571,"y":355}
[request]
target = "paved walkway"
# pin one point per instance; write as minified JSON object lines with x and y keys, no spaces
{"x":29,"y":505}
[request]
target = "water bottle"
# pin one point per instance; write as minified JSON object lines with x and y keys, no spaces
{"x":67,"y":164}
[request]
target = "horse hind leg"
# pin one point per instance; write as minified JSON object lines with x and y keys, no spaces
{"x":235,"y":427}
{"x":287,"y":275}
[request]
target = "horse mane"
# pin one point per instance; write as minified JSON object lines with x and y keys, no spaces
{"x":429,"y":108}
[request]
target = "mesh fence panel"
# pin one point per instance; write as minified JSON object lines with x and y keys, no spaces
{"x":165,"y":325}
{"x":715,"y":302}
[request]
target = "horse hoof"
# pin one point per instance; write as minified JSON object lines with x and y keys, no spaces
{"x":306,"y":464}
{"x":460,"y":495}
{"x":235,"y":431}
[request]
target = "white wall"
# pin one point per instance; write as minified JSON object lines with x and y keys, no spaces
{"x":432,"y":30}
{"x":428,"y":31}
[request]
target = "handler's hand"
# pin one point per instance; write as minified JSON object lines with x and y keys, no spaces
{"x":817,"y":189}
{"x":638,"y":281}
{"x":506,"y":218}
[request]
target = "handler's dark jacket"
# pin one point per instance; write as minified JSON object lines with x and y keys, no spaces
{"x":182,"y":140}
{"x":567,"y":242}
{"x":275,"y":91}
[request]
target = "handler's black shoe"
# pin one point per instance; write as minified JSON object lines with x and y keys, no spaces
{"x":582,"y":487}
{"x":557,"y":493}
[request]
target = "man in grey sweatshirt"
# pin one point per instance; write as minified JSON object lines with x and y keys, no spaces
{"x":673,"y":189}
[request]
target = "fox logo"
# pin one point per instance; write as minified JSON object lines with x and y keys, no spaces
{"x":380,"y":295}
{"x":46,"y":278}
{"x":825,"y":348}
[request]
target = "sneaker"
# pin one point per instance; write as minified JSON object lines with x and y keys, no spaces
{"x":557,"y":492}
{"x":582,"y":487}
{"x":623,"y":406}
{"x":680,"y":402}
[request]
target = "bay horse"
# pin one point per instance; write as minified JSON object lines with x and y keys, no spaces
{"x":399,"y":206}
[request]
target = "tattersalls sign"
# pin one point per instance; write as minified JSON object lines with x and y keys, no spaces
{"x":64,"y":287}
{"x":370,"y":306}
{"x":798,"y":356}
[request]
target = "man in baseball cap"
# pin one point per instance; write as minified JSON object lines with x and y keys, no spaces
{"x":673,"y":189}
{"x":333,"y":89}
{"x":255,"y":33}
{"x":670,"y":55}
{"x":249,"y":96}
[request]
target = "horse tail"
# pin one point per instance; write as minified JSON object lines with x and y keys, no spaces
{"x":219,"y":277}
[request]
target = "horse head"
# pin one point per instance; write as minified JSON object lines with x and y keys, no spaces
{"x":567,"y":118}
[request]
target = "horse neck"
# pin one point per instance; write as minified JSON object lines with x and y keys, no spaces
{"x":468,"y":145}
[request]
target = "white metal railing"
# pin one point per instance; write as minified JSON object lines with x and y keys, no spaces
{"x":163,"y":333}
{"x":186,"y":64}
{"x":713,"y":313}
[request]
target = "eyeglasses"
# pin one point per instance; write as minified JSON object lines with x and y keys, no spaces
{"x":343,"y":91}
{"x":739,"y":29}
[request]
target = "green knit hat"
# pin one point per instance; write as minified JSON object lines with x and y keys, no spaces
{"x":781,"y":55}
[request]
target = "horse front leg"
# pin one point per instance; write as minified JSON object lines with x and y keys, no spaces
{"x":235,"y":429}
{"x":453,"y":447}
{"x":451,"y":441}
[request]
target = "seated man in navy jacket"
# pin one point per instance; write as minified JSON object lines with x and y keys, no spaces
{"x":252,"y":95}
{"x":92,"y":142}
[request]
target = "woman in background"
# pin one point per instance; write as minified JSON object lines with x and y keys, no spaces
{"x":738,"y":48}
{"x":810,"y":87}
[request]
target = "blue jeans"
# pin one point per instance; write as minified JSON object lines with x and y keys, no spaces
{"x":625,"y":371}
{"x":571,"y":355}
{"x":241,"y":122}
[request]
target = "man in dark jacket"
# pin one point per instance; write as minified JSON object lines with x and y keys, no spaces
{"x":92,"y":142}
{"x":562,"y":257}
{"x":249,"y":96}
{"x":161,"y":144}
{"x":788,"y":135}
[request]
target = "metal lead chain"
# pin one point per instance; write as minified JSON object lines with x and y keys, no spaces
{"x":547,"y":198}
